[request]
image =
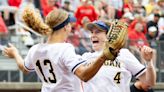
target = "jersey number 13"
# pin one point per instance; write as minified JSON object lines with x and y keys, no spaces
{"x":47,"y":62}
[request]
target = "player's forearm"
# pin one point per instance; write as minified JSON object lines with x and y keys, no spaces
{"x":150,"y":77}
{"x":150,"y":74}
{"x":20,"y":63}
{"x":88,"y":71}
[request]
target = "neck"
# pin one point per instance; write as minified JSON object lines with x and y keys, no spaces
{"x":56,"y":38}
{"x":98,"y":50}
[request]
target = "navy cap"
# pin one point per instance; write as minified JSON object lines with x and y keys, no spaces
{"x":72,"y":18}
{"x":98,"y":24}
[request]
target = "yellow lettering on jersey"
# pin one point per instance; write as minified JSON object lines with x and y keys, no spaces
{"x":112,"y":63}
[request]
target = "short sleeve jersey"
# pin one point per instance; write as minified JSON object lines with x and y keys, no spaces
{"x":114,"y":76}
{"x":55,"y":65}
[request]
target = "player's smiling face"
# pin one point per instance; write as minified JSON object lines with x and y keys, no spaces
{"x":98,"y":38}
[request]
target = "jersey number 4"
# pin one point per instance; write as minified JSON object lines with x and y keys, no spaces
{"x":47,"y":62}
{"x":117,"y":77}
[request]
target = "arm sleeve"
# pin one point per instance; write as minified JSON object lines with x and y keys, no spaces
{"x":71,"y":60}
{"x":28,"y":61}
{"x":131,"y":63}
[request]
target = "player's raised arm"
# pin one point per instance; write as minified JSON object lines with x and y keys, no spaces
{"x":86,"y":72}
{"x":149,"y":77}
{"x":12,"y":52}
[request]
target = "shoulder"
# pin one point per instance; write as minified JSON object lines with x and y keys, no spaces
{"x":67,"y":45}
{"x":62,"y":45}
{"x":87,"y":54}
{"x":125,"y":53}
{"x":124,"y":50}
{"x":34,"y":47}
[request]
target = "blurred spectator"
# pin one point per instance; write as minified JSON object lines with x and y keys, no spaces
{"x":67,"y":6}
{"x":57,"y":4}
{"x":3,"y":28}
{"x":15,"y":3}
{"x":117,"y":4}
{"x":8,"y":11}
{"x":118,"y":7}
{"x":139,"y":10}
{"x":127,"y":17}
{"x":85,"y":43}
{"x":100,"y":10}
{"x":4,"y":3}
{"x":3,"y":32}
{"x":28,"y":41}
{"x":109,"y":10}
{"x":154,"y":23}
{"x":150,"y":6}
{"x":152,"y":39}
{"x":47,"y":6}
{"x":74,"y":3}
{"x":161,"y":48}
{"x":161,"y":25}
{"x":27,"y":37}
{"x":129,"y":5}
{"x":143,"y":11}
{"x":104,"y":11}
{"x":20,"y":30}
{"x":137,"y":39}
{"x":144,"y":2}
{"x":151,"y":36}
{"x":161,"y":38}
{"x":24,"y":3}
{"x":74,"y":37}
{"x":161,"y":5}
{"x":85,"y":10}
{"x":37,"y":4}
{"x":156,"y":10}
{"x":141,"y":20}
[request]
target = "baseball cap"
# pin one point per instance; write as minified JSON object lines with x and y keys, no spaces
{"x":98,"y":24}
{"x":59,"y":18}
{"x":128,"y":15}
{"x":152,"y":29}
{"x":72,"y":18}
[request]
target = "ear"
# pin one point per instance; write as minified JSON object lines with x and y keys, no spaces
{"x":65,"y":28}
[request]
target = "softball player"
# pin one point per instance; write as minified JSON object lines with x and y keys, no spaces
{"x":55,"y":61}
{"x":115,"y":76}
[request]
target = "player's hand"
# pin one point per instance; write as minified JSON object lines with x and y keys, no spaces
{"x":10,"y":51}
{"x":147,"y":53}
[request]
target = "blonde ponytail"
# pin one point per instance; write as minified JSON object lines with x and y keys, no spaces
{"x":33,"y":20}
